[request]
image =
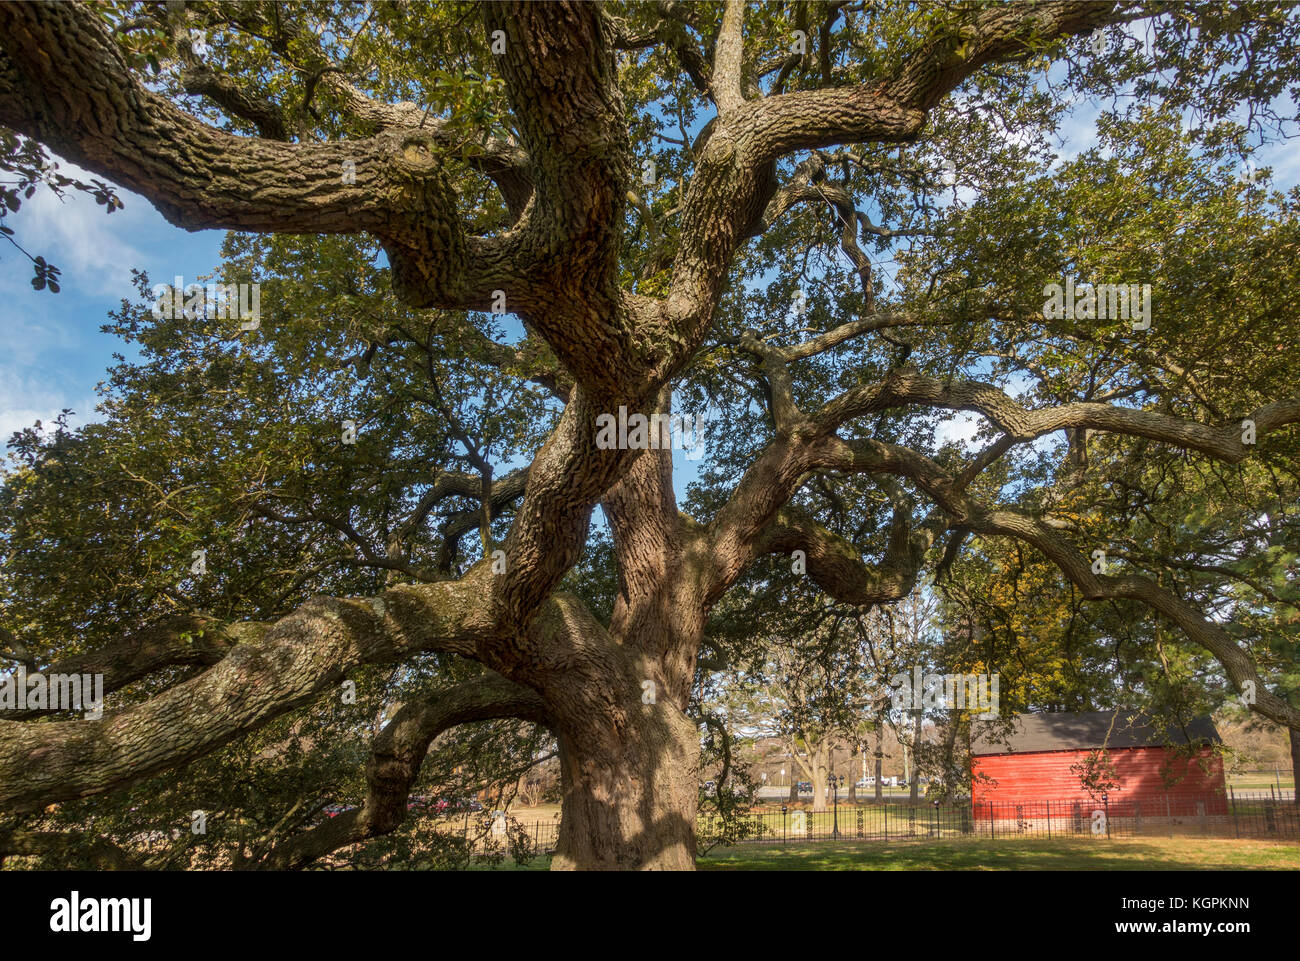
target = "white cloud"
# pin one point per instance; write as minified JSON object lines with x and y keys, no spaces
{"x":1284,"y":160}
{"x":959,"y":427}
{"x":1020,"y":385}
{"x":1077,"y":132}
{"x":90,"y":247}
{"x":51,"y":350}
{"x":1142,"y":31}
{"x":25,"y":399}
{"x":38,"y":376}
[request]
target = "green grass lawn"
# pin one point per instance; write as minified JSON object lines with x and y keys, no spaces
{"x":894,"y":818}
{"x":1037,"y":854}
{"x":1261,"y":783}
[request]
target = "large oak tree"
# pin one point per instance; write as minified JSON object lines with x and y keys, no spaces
{"x":883,"y":167}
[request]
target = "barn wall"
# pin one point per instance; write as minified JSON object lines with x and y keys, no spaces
{"x":1046,"y":776}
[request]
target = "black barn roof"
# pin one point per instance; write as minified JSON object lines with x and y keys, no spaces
{"x":1030,"y":733}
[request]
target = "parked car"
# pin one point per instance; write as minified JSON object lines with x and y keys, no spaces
{"x":804,"y":787}
{"x":446,"y":805}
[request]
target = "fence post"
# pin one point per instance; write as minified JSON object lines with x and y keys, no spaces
{"x":1049,"y":819}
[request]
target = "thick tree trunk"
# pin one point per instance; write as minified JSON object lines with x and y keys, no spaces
{"x":1295,"y":763}
{"x":951,"y":769}
{"x":629,"y":756}
{"x":914,"y":783}
{"x":801,"y":768}
{"x":819,"y":791}
{"x":820,"y":769}
{"x":880,"y":760}
{"x":630,"y":795}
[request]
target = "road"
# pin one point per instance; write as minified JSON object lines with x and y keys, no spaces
{"x":781,"y":793}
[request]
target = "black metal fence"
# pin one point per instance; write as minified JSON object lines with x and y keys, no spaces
{"x":1259,"y":814}
{"x":1254,"y":814}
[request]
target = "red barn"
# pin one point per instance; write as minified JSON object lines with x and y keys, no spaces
{"x":1040,"y":760}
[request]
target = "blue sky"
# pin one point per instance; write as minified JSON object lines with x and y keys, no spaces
{"x":53,"y":351}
